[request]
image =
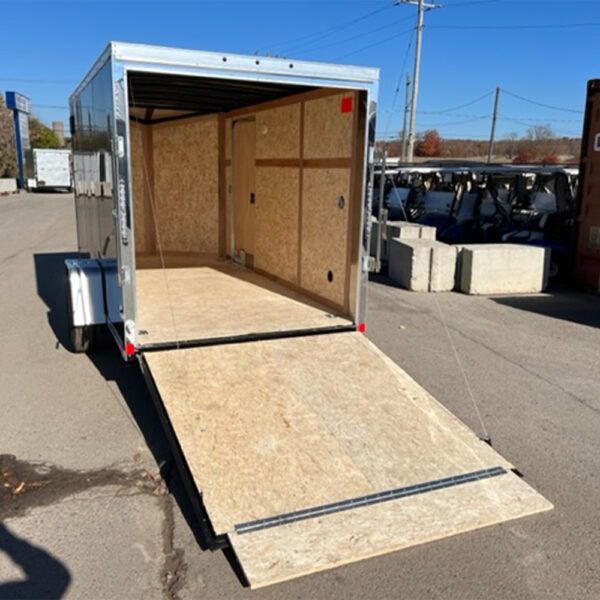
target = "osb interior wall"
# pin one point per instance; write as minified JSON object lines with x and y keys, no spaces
{"x":306,"y":197}
{"x":327,"y":196}
{"x":186,"y":184}
{"x":328,"y":127}
{"x":324,"y":232}
{"x":181,"y":180}
{"x":304,"y":191}
{"x":277,"y":189}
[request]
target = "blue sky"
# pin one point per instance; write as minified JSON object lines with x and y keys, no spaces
{"x":469,"y":47}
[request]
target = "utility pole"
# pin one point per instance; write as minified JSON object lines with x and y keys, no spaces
{"x":493,"y":132}
{"x":415,"y":90}
{"x":406,"y":106}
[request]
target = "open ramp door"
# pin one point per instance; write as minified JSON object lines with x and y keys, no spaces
{"x":312,"y":452}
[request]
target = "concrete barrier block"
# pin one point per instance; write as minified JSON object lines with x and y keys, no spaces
{"x":409,"y":264}
{"x":443,"y":267}
{"x":402,"y":230}
{"x":503,"y":269}
{"x":422,"y":265}
{"x":8,"y":186}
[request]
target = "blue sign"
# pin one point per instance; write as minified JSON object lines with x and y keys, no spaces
{"x":17,"y":101}
{"x":21,"y":106}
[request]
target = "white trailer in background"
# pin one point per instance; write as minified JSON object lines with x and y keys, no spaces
{"x":227,"y":238}
{"x":49,"y":168}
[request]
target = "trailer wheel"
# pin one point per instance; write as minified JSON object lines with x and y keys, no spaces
{"x":81,"y":337}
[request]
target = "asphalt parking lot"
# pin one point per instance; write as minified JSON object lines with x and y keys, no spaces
{"x":110,"y":527}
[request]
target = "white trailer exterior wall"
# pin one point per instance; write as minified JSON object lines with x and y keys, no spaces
{"x":50,"y":169}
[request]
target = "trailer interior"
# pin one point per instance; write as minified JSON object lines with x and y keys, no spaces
{"x":247,"y":206}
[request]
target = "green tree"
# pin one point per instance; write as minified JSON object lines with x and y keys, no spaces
{"x":41,"y":136}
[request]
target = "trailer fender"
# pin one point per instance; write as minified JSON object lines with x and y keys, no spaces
{"x":84,"y":276}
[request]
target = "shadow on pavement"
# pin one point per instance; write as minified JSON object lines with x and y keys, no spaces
{"x":45,"y":576}
{"x":567,"y":305}
{"x":49,"y":270}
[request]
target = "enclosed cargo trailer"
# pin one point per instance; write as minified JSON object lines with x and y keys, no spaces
{"x":228,"y":238}
{"x":587,"y":253}
{"x":48,"y":168}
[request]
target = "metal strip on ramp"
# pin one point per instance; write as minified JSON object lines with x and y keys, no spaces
{"x":276,"y":554}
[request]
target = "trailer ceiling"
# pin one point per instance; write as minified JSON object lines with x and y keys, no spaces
{"x":200,"y":95}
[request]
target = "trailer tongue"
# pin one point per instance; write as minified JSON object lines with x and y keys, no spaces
{"x":311,"y":452}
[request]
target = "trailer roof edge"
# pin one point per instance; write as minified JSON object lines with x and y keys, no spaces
{"x":223,"y":61}
{"x":98,"y":64}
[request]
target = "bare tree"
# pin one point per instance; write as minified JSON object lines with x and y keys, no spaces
{"x":511,"y":144}
{"x":543,"y":140}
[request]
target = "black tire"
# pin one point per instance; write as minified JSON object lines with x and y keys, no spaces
{"x":81,"y":337}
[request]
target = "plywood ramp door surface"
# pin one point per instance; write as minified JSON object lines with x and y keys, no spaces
{"x":281,"y":553}
{"x":276,"y":426}
{"x":186,"y":193}
{"x":219,"y":300}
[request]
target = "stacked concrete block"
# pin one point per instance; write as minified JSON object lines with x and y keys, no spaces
{"x":422,"y":265}
{"x":401,"y":230}
{"x":502,"y":269}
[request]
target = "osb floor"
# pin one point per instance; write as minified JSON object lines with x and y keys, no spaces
{"x":275,"y":426}
{"x":215,"y":299}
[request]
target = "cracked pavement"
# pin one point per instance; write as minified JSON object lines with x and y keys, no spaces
{"x":91,"y":509}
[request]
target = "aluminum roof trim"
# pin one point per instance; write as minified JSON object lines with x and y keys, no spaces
{"x":164,"y":55}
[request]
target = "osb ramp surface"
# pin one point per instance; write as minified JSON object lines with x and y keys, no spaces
{"x":276,"y":426}
{"x":279,"y":553}
{"x":219,"y":300}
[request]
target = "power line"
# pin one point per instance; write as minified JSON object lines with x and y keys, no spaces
{"x":470,"y":3}
{"x":548,"y":26}
{"x":552,"y":120}
{"x":447,"y":123}
{"x":353,"y":38}
{"x":570,"y":110}
{"x":400,"y":78}
{"x":397,"y":35}
{"x":449,"y":110}
{"x":315,"y":37}
{"x":567,"y":133}
{"x":53,"y":81}
{"x":49,"y":106}
{"x":450,"y":114}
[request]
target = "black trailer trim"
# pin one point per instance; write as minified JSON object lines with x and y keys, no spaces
{"x":211,"y":540}
{"x":377,"y":498}
{"x":240,"y":339}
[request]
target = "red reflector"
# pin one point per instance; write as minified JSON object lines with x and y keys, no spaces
{"x":346,"y":105}
{"x":361,"y":327}
{"x":129,"y":349}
